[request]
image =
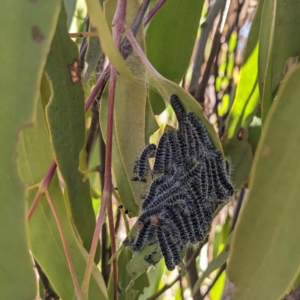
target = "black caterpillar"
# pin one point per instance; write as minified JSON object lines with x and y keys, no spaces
{"x":192,"y":183}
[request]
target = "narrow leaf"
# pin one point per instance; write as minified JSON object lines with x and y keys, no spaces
{"x":66,"y":121}
{"x":27,"y":28}
{"x":170,"y":41}
{"x":269,"y":221}
{"x":279,"y":39}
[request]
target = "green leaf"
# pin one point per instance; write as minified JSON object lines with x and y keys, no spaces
{"x":214,"y":265}
{"x":279,"y":39}
{"x":27,"y":28}
{"x":107,"y":43}
{"x":34,"y":158}
{"x":254,"y":133}
{"x":129,"y":125}
{"x":235,"y":140}
{"x":150,"y":123}
{"x":66,"y":121}
{"x":170,"y":41}
{"x":70,"y":6}
{"x":124,"y":279}
{"x":155,"y":274}
{"x":92,"y":57}
{"x":269,"y":221}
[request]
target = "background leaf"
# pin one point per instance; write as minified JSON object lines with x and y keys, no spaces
{"x":26,"y":30}
{"x":214,"y":264}
{"x":66,"y":121}
{"x":70,"y":6}
{"x":264,"y":251}
{"x":278,"y":39}
{"x":170,"y":41}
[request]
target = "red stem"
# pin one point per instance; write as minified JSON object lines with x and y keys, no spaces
{"x":65,"y":245}
{"x":113,"y":247}
{"x":42,"y":188}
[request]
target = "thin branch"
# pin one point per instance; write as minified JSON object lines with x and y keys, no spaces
{"x":188,"y":264}
{"x":238,"y":207}
{"x":154,"y":11}
{"x":33,"y":187}
{"x":199,"y":56}
{"x":221,"y":270}
{"x":83,"y":34}
{"x":199,"y":96}
{"x":165,"y":288}
{"x":65,"y":245}
{"x":113,"y":247}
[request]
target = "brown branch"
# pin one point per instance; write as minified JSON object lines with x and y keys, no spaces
{"x":188,"y":264}
{"x":199,"y":96}
{"x":199,"y":56}
{"x":154,"y":11}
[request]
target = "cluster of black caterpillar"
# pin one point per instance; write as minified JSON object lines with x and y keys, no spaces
{"x":192,"y":182}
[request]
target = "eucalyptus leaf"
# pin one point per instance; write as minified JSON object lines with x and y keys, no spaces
{"x":265,"y":255}
{"x":170,"y":42}
{"x":66,"y":121}
{"x":27,"y":28}
{"x":279,"y":40}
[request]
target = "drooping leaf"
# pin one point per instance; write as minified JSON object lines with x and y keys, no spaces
{"x":214,"y":265}
{"x":170,"y":41}
{"x":235,"y":139}
{"x":27,"y":28}
{"x":34,"y":158}
{"x":269,"y":221}
{"x":129,"y":125}
{"x":66,"y":121}
{"x":278,"y":40}
{"x":107,"y":44}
